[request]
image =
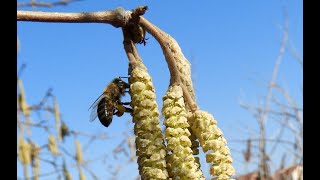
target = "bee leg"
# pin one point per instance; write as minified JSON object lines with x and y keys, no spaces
{"x":129,"y":110}
{"x":121,"y":111}
{"x":118,"y":113}
{"x":125,"y":77}
{"x":125,"y":103}
{"x":121,"y":108}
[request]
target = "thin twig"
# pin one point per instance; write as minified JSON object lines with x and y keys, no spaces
{"x":39,"y":125}
{"x":293,"y":105}
{"x":67,"y":153}
{"x":22,"y":67}
{"x":263,"y":170}
{"x":286,"y":119}
{"x":295,"y":53}
{"x":93,"y":175}
{"x":270,"y":140}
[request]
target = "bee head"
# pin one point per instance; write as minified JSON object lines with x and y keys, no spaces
{"x":120,"y":83}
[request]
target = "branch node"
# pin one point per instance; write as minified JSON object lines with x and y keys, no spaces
{"x":135,"y":31}
{"x":123,"y":15}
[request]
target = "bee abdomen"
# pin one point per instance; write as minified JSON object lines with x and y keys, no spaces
{"x":104,"y":113}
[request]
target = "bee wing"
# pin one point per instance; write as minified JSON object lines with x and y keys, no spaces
{"x":93,"y":107}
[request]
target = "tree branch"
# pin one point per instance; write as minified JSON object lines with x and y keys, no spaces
{"x":116,"y":18}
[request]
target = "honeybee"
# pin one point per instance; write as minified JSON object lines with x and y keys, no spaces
{"x":109,"y":102}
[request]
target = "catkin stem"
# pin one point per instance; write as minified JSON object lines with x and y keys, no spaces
{"x":130,"y":49}
{"x":162,"y":39}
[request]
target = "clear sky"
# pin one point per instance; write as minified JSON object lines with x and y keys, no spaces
{"x":232,"y":47}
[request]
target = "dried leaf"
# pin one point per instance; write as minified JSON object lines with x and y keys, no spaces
{"x":63,"y":131}
{"x":247,"y":154}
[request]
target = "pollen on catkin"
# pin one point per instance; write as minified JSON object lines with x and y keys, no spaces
{"x":150,"y":147}
{"x":212,"y":141}
{"x":181,"y":162}
{"x":184,"y":68}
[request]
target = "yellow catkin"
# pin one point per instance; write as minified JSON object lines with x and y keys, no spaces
{"x":23,"y":106}
{"x":22,"y":99}
{"x":24,"y":151}
{"x":181,"y":162}
{"x":66,"y":174}
{"x":184,"y":68}
{"x":150,"y":147}
{"x":57,"y":118}
{"x":81,"y":175}
{"x":78,"y":152}
{"x":52,"y":145}
{"x":213,"y":144}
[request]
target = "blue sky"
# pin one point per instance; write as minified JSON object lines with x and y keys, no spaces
{"x":232,"y":47}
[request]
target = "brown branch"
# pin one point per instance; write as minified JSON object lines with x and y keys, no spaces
{"x":117,"y":17}
{"x":42,"y":175}
{"x":44,"y":4}
{"x":160,"y":36}
{"x":255,"y":110}
{"x":128,"y":43}
{"x":162,"y":39}
{"x":39,"y":125}
{"x":97,"y":136}
{"x":130,"y":48}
